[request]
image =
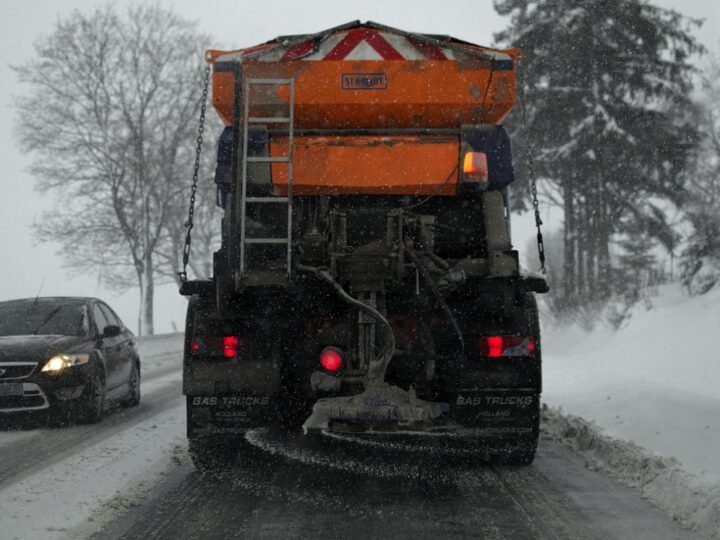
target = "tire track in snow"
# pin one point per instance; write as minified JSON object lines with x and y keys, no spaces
{"x":289,"y":485}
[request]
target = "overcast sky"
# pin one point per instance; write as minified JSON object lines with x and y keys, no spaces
{"x":24,"y":263}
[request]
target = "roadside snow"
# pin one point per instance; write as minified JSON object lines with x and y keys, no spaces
{"x":160,"y":353}
{"x":661,"y":480}
{"x":654,"y":382}
{"x":76,"y":497}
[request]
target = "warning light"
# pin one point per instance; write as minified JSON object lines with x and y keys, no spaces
{"x":331,"y":359}
{"x":475,"y":165}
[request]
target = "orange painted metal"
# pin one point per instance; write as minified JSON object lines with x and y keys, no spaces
{"x":431,"y":87}
{"x":383,"y":165}
{"x":417,"y":94}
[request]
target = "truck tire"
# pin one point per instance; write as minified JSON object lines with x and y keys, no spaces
{"x":523,"y":452}
{"x":211,"y":454}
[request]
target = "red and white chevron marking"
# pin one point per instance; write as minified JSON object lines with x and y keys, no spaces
{"x":360,"y":43}
{"x":367,"y":44}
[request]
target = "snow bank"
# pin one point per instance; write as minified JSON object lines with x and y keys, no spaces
{"x":661,"y":480}
{"x":655,"y":382}
{"x":77,"y":496}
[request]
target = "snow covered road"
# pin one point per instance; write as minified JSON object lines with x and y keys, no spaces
{"x":295,"y":487}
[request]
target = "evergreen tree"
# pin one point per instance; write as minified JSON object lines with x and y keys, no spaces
{"x":608,"y":85}
{"x":701,"y":256}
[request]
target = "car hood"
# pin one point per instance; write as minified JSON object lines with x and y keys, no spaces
{"x":36,"y":348}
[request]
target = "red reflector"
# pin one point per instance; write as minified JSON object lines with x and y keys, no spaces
{"x":230,"y":346}
{"x":331,"y":359}
{"x":502,"y":346}
{"x":195,"y":346}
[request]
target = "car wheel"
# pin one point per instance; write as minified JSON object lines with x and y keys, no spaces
{"x":94,"y":407}
{"x":133,"y":397}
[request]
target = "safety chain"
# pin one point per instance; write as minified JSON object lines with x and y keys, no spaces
{"x":531,"y":171}
{"x":196,"y":173}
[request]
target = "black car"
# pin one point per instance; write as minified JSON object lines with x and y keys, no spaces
{"x":66,"y":355}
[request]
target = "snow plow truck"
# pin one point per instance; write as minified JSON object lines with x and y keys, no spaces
{"x":366,"y":280}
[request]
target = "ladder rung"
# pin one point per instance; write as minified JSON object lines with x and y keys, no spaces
{"x":266,"y":241}
{"x":283,"y":159}
{"x":266,"y":199}
{"x":269,"y":119}
{"x":269,"y":81}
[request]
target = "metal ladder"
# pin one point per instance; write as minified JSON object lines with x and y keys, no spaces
{"x":244,"y":199}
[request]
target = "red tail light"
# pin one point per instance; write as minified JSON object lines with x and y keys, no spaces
{"x":502,"y":346}
{"x":331,"y":359}
{"x":225,"y":346}
{"x":230,"y":346}
{"x":494,"y":346}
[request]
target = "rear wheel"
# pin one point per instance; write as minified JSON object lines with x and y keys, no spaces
{"x":211,"y":454}
{"x":523,"y":451}
{"x":524,"y":455}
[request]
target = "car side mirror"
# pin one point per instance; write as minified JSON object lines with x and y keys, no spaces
{"x":111,"y":331}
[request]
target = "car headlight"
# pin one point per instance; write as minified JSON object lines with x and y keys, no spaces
{"x":62,"y":361}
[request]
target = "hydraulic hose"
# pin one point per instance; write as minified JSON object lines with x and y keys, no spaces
{"x":436,"y":292}
{"x":377,"y":372}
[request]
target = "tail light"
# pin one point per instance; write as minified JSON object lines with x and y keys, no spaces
{"x":504,"y":346}
{"x":331,"y":359}
{"x":225,"y":346}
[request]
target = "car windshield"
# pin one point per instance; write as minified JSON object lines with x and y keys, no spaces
{"x":43,"y":318}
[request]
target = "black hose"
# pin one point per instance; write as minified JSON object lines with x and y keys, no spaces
{"x":389,"y":349}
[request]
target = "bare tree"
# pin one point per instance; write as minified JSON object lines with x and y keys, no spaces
{"x":111,"y":121}
{"x":206,"y":230}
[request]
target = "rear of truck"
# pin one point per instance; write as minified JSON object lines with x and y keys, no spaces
{"x":366,"y":280}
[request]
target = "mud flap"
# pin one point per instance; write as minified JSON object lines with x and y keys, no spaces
{"x":228,"y":414}
{"x":498,"y":414}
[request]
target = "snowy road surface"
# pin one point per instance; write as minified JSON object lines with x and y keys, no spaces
{"x":130,"y":477}
{"x":292,"y":488}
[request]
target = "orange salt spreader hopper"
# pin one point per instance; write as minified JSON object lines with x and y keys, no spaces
{"x":376,"y":110}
